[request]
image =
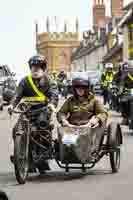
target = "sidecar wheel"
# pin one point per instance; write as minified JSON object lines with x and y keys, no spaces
{"x":114,"y":142}
{"x":115,"y":161}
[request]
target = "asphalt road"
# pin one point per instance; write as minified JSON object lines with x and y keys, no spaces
{"x":97,"y":184}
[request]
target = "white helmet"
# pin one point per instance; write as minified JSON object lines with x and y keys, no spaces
{"x":108,"y":65}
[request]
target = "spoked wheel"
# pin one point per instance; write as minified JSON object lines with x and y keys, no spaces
{"x":115,"y":161}
{"x":115,"y":140}
{"x":21,"y":152}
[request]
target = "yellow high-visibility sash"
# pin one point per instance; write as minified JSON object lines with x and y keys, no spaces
{"x":40,"y":96}
{"x":131,"y":78}
{"x":107,"y":79}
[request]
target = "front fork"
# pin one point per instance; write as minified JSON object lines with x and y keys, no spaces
{"x":27,"y":135}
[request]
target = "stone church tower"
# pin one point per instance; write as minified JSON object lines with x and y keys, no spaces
{"x":99,"y":18}
{"x":57,"y":46}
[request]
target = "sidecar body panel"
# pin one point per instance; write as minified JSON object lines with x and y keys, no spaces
{"x":77,"y":145}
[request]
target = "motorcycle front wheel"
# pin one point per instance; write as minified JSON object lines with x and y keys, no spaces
{"x":21,"y":156}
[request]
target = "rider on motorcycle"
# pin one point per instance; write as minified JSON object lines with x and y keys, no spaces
{"x":62,"y":75}
{"x":107,"y":76}
{"x":53,"y":83}
{"x":54,"y":75}
{"x":127,"y":84}
{"x":82,"y":107}
{"x":60,"y":78}
{"x":35,"y":88}
{"x":119,"y":75}
{"x":116,"y":86}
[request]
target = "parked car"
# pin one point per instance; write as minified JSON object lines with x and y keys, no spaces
{"x":7,"y":82}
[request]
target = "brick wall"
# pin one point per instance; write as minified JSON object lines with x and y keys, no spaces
{"x":117,"y":6}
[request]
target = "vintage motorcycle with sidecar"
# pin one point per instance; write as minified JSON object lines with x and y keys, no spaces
{"x":76,"y":147}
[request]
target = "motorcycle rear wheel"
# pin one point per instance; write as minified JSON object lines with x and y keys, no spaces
{"x":21,"y":158}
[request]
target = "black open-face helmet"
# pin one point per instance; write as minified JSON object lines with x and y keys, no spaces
{"x":80,"y":82}
{"x":38,"y":61}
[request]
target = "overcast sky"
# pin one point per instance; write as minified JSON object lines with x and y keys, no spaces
{"x":17,"y":17}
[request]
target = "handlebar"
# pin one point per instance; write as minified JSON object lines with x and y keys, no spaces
{"x":10,"y":111}
{"x":80,"y":126}
{"x":27,"y":110}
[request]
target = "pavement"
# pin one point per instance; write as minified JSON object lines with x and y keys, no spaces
{"x":97,"y":184}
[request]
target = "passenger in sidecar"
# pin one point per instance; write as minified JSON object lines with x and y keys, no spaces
{"x":83,"y":128}
{"x":83,"y":107}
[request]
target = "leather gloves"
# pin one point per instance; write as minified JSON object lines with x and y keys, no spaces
{"x":65,"y":122}
{"x":52,"y":107}
{"x":9,"y":108}
{"x":94,"y":122}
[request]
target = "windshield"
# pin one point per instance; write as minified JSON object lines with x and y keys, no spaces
{"x":92,"y":75}
{"x":79,"y":74}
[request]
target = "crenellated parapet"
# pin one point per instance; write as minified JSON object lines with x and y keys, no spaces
{"x":64,"y":35}
{"x":57,"y":46}
{"x":55,"y":36}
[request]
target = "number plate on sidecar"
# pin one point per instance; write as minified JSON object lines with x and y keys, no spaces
{"x":69,"y":139}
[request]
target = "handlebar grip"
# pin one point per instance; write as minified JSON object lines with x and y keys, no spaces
{"x":11,"y":111}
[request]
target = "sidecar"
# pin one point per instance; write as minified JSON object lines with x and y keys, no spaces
{"x":82,"y":147}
